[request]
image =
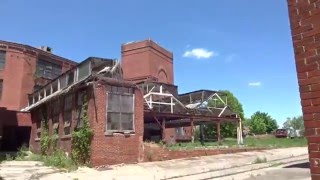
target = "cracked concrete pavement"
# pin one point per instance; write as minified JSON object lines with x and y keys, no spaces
{"x":222,"y":166}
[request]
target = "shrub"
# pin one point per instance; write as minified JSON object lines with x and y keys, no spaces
{"x":259,"y":160}
{"x":60,"y":160}
{"x":81,"y":138}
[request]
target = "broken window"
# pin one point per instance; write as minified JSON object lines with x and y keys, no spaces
{"x":70,"y":78}
{"x":83,"y":71}
{"x":82,"y":97}
{"x":55,"y":115}
{"x":2,"y":59}
{"x":120,"y":112}
{"x":47,"y":69}
{"x":42,"y":121}
{"x":67,"y":114}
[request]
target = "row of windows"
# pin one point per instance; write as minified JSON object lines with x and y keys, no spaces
{"x":2,"y":59}
{"x":120,"y":113}
{"x":48,"y":69}
{"x":44,"y":68}
{"x":67,"y":114}
{"x":69,"y":78}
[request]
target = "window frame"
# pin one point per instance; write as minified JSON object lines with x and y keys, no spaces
{"x":4,"y":59}
{"x":48,"y":69}
{"x":56,"y":115}
{"x":70,"y":111}
{"x":78,"y":108}
{"x":120,"y":130}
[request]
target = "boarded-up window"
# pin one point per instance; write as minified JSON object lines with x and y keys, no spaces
{"x":120,"y":112}
{"x":67,"y":114}
{"x":2,"y":59}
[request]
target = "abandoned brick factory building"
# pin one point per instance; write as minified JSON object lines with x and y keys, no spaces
{"x":127,"y":102}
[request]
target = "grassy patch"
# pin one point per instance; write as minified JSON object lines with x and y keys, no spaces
{"x":57,"y":159}
{"x":259,"y":160}
{"x":276,"y":164}
{"x":272,"y":142}
{"x":260,"y":142}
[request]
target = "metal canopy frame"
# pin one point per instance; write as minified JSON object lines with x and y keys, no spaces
{"x":167,"y":109}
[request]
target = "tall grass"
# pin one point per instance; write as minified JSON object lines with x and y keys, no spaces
{"x":261,"y":142}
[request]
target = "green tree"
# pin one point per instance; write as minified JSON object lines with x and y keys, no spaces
{"x":227,"y":129}
{"x":295,"y":123}
{"x":261,"y":123}
{"x":257,"y":125}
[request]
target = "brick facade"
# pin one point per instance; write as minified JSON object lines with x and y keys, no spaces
{"x":305,"y":29}
{"x":105,"y":149}
{"x":18,"y":74}
{"x":146,"y":59}
{"x":116,"y":148}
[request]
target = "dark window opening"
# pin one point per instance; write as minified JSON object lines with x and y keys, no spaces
{"x":2,"y":59}
{"x":48,"y":69}
{"x":82,"y":97}
{"x":67,"y":114}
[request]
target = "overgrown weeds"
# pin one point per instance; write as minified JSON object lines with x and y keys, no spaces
{"x":259,"y":160}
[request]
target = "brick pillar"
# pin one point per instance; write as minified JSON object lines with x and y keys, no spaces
{"x":305,"y":29}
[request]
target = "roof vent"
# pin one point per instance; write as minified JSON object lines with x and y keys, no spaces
{"x":46,"y":48}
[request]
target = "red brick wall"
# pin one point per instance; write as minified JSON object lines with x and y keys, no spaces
{"x":114,"y":149}
{"x":171,"y":133}
{"x":305,"y":29}
{"x":153,"y":152}
{"x":16,"y":119}
{"x":18,"y":74}
{"x":147,"y":59}
{"x":105,"y":149}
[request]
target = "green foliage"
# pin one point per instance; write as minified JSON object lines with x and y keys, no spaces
{"x":269,"y":141}
{"x":259,"y":160}
{"x":22,"y":153}
{"x":261,"y":123}
{"x":227,"y":129}
{"x":60,"y":160}
{"x":81,"y":138}
{"x":9,"y":157}
{"x":54,"y":139}
{"x":295,"y":123}
{"x":44,"y":137}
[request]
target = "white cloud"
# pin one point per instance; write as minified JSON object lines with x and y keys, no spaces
{"x":255,"y":84}
{"x":199,"y":53}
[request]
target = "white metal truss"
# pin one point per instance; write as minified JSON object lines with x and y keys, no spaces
{"x":156,"y":96}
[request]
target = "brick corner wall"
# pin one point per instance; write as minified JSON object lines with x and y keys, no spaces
{"x":305,"y":29}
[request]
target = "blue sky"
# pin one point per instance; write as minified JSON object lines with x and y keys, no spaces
{"x":242,"y":46}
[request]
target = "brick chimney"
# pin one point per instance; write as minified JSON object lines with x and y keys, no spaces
{"x":146,"y":59}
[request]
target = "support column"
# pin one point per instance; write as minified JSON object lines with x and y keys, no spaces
{"x":192,"y":130}
{"x":201,"y":135}
{"x":218,"y":132}
{"x":163,"y":130}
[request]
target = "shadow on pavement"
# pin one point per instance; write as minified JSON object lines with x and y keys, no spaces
{"x":300,"y":165}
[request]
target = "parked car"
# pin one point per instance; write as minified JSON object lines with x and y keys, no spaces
{"x":281,"y":133}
